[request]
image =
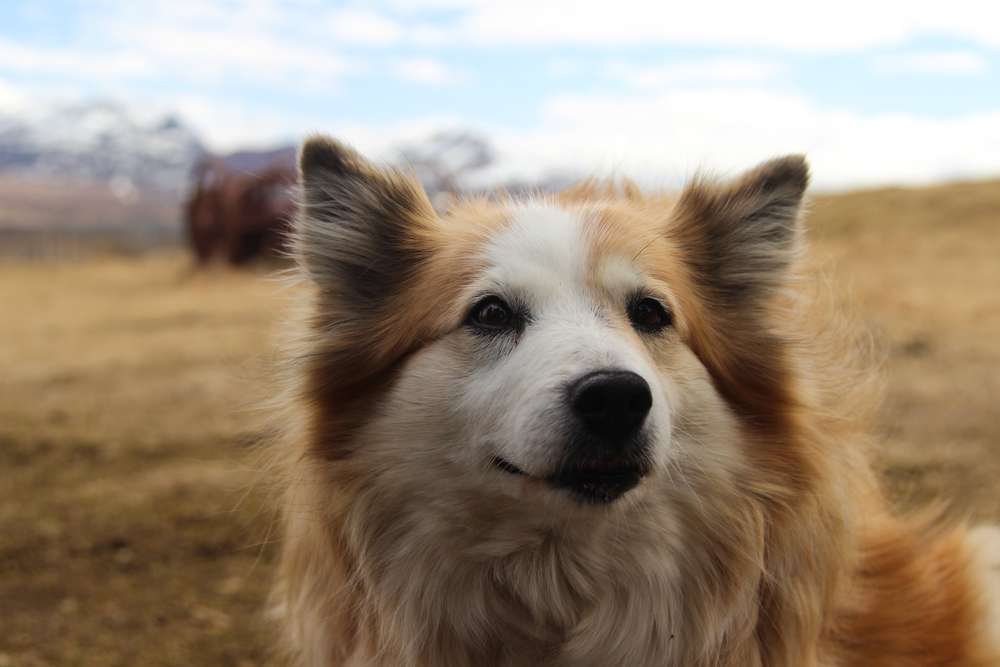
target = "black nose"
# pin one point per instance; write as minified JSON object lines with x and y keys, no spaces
{"x":611,"y":404}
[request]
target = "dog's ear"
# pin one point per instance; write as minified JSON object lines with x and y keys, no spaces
{"x":739,"y":241}
{"x":740,"y":238}
{"x":361,"y":230}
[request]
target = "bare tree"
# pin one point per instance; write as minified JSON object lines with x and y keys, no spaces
{"x":445,"y":159}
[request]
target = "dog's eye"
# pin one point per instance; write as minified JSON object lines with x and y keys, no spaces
{"x":649,"y":315}
{"x":491,"y":314}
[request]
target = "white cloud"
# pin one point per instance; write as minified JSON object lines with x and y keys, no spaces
{"x":714,"y":112}
{"x":188,"y":41}
{"x":660,"y":139}
{"x":562,"y":67}
{"x":12,"y":98}
{"x":772,"y":24}
{"x":776,"y":24}
{"x":427,"y":71}
{"x":428,"y":34}
{"x":954,"y":63}
{"x":232,"y":126}
{"x":364,"y":27}
{"x":434,"y":4}
{"x":711,"y":70}
{"x":30,"y":96}
{"x":208,"y":54}
{"x":20,"y":57}
{"x":191,"y":42}
{"x":380,"y":141}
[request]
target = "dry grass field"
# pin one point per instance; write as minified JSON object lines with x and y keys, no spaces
{"x":130,"y":533}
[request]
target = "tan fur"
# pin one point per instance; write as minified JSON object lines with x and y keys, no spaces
{"x":789,"y":557}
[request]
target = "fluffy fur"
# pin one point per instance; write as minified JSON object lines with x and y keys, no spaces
{"x":758,"y":536}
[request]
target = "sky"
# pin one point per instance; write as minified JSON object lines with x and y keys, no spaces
{"x":874,"y":92}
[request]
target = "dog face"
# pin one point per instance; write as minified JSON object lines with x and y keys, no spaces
{"x":552,"y":373}
{"x":558,"y":352}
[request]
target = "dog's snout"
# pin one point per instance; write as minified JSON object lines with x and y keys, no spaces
{"x":612,"y":404}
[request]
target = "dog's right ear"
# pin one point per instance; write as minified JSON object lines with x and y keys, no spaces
{"x":361,"y":231}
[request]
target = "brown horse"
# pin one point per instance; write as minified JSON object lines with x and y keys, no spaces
{"x":238,"y":217}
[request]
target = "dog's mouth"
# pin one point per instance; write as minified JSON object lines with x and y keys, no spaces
{"x":590,"y":481}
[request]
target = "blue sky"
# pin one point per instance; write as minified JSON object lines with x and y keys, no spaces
{"x":875,"y":92}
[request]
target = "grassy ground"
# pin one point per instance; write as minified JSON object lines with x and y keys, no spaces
{"x":924,"y":267}
{"x":126,"y":535}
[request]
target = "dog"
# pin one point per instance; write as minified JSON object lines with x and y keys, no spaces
{"x":595,"y":428}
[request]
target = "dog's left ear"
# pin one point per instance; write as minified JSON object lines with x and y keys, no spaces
{"x":740,"y":239}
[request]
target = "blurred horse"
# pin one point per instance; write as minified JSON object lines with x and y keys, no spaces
{"x":238,"y":217}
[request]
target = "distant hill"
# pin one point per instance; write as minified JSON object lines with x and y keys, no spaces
{"x":100,"y":142}
{"x":102,"y":165}
{"x":103,"y":141}
{"x":105,"y":165}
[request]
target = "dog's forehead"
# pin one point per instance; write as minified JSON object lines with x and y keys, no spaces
{"x":541,"y":243}
{"x":549,"y":248}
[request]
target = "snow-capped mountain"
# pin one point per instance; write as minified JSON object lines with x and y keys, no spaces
{"x":99,"y":141}
{"x":123,"y":163}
